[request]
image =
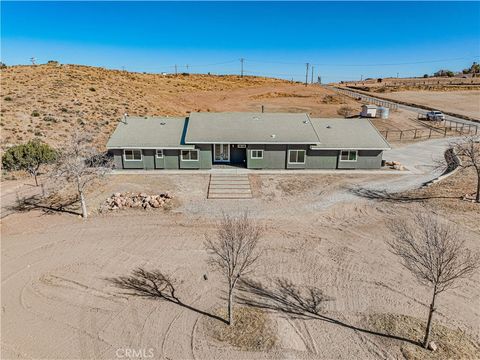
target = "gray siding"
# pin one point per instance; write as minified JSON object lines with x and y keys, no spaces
{"x":117,"y":158}
{"x":149,"y":159}
{"x":322,"y":159}
{"x":170,"y":159}
{"x":366,"y":159}
{"x":298,"y":147}
{"x":273,"y":157}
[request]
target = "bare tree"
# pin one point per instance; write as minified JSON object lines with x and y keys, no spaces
{"x":468,"y":150}
{"x":80,"y":163}
{"x":433,"y":251}
{"x":234,"y":251}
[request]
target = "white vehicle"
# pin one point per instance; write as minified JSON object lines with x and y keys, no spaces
{"x":435,"y":115}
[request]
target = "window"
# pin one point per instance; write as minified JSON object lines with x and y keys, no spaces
{"x":132,"y":155}
{"x":159,"y":153}
{"x":189,"y":155}
{"x":348,"y":155}
{"x":257,"y":154}
{"x":296,"y":156}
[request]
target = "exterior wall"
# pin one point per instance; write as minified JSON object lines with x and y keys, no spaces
{"x":117,"y":158}
{"x":274,"y":157}
{"x":171,"y":159}
{"x":366,"y":159}
{"x":148,"y":159}
{"x":204,"y":158}
{"x":299,"y":147}
{"x":322,"y":159}
{"x":160,"y":162}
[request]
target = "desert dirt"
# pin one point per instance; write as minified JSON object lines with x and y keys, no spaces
{"x":58,"y":301}
{"x":48,"y":101}
{"x":461,"y":102}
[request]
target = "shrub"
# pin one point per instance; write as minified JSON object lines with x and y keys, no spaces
{"x":345,"y":111}
{"x":92,"y":89}
{"x":50,"y":119}
{"x":28,"y":157}
{"x":35,"y":113}
{"x":7,"y":98}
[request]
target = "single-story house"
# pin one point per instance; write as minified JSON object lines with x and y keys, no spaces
{"x":369,"y":111}
{"x":251,"y":140}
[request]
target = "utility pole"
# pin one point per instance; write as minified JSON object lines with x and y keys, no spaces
{"x":32,"y":60}
{"x":311,"y":80}
{"x":187,"y":68}
{"x":361,"y":77}
{"x":241,"y":66}
{"x":397,"y":75}
{"x":306,"y":73}
{"x":175,"y":69}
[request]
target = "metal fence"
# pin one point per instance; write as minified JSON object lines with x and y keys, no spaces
{"x":366,"y":98}
{"x":450,"y":127}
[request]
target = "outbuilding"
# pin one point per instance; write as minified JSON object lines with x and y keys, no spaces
{"x":369,"y":111}
{"x":251,"y":140}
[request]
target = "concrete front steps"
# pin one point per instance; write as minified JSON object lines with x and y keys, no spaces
{"x":223,"y":186}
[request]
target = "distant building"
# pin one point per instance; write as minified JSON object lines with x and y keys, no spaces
{"x":369,"y":111}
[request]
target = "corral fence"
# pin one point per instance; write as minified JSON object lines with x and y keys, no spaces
{"x":367,"y":99}
{"x":450,"y":127}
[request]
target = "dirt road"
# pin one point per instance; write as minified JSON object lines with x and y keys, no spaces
{"x":58,"y":300}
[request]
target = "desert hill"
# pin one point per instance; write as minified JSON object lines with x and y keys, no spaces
{"x":49,"y":101}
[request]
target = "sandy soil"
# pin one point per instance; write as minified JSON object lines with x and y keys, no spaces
{"x":57,"y":303}
{"x":461,"y":102}
{"x":48,"y":101}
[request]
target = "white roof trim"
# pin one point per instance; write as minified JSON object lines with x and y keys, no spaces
{"x":254,"y":143}
{"x":160,"y":147}
{"x":314,"y":147}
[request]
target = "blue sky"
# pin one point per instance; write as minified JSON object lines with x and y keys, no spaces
{"x":343,"y":39}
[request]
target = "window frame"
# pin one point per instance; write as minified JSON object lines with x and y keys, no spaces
{"x":156,"y":153}
{"x":133,"y":156}
{"x":297,"y":162}
{"x":189,"y":151}
{"x":256,"y":157}
{"x":348,"y":156}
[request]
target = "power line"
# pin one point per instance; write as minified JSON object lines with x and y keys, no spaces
{"x":241,"y":64}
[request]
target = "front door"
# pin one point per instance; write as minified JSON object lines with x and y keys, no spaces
{"x":221,"y":152}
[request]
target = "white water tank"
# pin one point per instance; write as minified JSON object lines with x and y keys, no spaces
{"x":383,"y":112}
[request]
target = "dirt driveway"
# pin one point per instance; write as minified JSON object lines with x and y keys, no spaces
{"x":58,"y":301}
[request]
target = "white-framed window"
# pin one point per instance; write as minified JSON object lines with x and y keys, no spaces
{"x":132,"y":155}
{"x":257,"y":154}
{"x":189,"y":155}
{"x":159,"y":154}
{"x":296,"y":156}
{"x":348,"y":155}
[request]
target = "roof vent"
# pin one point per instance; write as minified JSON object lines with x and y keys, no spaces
{"x":163,"y":123}
{"x":329,"y":127}
{"x":273,"y":136}
{"x":305,"y":121}
{"x":256,"y":118}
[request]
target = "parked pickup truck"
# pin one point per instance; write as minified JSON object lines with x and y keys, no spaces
{"x":435,"y":115}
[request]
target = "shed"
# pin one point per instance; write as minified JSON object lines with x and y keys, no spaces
{"x":369,"y":111}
